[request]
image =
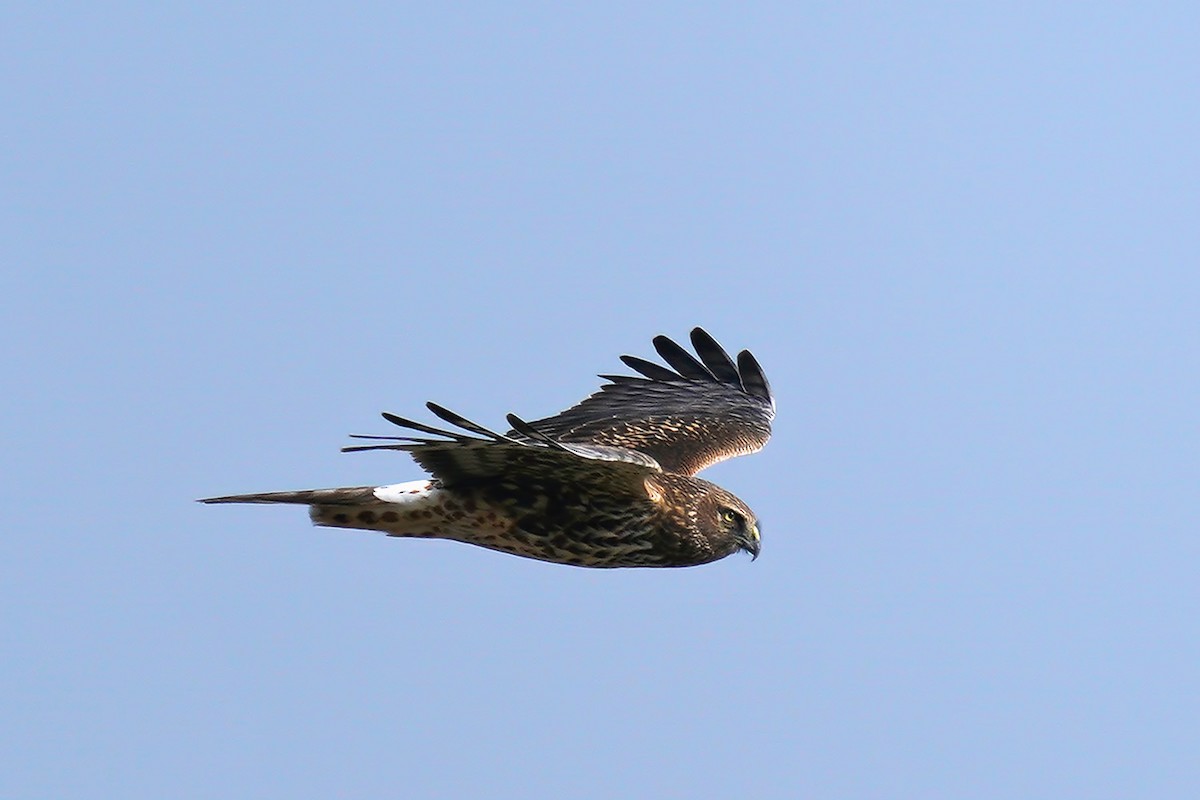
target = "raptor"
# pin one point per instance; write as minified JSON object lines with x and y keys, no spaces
{"x":609,"y":482}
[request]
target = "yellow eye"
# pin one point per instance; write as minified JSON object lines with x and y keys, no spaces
{"x":730,"y":516}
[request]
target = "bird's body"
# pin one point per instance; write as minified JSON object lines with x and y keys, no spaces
{"x":586,"y":487}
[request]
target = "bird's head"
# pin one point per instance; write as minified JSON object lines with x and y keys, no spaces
{"x":734,"y":524}
{"x":711,"y":523}
{"x":742,"y":527}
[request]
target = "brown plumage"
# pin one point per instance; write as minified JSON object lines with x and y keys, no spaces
{"x":606,"y":483}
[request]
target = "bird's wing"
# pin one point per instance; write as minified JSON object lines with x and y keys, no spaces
{"x":456,"y":459}
{"x":703,"y":411}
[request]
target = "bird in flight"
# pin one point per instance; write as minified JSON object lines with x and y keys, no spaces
{"x":608,"y":482}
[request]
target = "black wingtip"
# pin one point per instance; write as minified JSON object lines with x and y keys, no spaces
{"x":445,"y":414}
{"x":754,"y":380}
{"x":714,"y":357}
{"x":680,"y":359}
{"x":404,"y":422}
{"x":362,"y":448}
{"x":459,"y":420}
{"x":714,"y":364}
{"x":655,"y":372}
{"x":519,"y":425}
{"x":525,"y":429}
{"x":398,"y":443}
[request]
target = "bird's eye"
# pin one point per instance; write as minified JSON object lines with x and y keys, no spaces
{"x":730,"y":516}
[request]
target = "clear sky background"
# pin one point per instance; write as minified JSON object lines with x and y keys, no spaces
{"x":961,"y":238}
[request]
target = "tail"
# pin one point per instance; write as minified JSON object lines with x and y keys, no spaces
{"x":347,"y":496}
{"x":404,"y":509}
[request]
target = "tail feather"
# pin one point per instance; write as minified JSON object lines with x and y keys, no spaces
{"x":404,"y":509}
{"x":344,"y":496}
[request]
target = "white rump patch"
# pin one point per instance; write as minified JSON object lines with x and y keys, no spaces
{"x":402,"y":493}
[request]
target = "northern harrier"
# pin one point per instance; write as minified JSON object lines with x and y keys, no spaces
{"x":606,"y":483}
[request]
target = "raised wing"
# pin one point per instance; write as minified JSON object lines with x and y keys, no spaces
{"x":698,"y":413}
{"x":457,"y":459}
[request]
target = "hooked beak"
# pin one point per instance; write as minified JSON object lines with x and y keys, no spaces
{"x":752,"y":544}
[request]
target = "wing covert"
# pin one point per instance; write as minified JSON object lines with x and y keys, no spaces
{"x":705,"y":409}
{"x":458,"y":459}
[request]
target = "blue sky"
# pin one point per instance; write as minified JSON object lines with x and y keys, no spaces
{"x":961,"y":239}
